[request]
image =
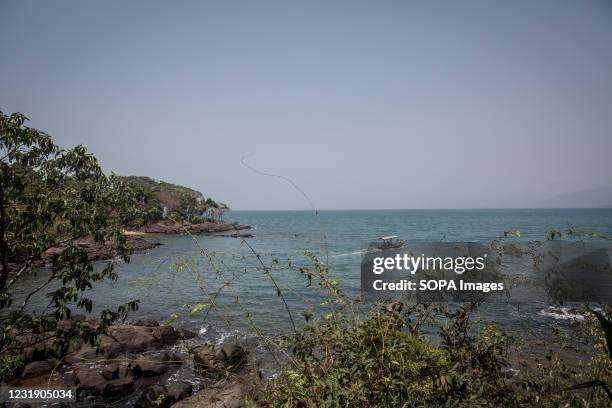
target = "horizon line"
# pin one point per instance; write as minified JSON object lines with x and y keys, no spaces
{"x":424,"y":209}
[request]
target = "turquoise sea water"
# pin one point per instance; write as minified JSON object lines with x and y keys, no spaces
{"x":174,"y":278}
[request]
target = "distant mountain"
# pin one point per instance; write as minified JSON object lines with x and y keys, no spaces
{"x":591,"y":198}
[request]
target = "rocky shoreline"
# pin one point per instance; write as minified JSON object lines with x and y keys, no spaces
{"x":170,"y":227}
{"x":137,"y":242}
{"x":145,"y":365}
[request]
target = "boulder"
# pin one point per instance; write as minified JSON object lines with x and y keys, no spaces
{"x":149,"y":368}
{"x":186,"y":334}
{"x":89,"y":379}
{"x":118,"y":386}
{"x":86,"y":352}
{"x":229,"y":395}
{"x":41,"y":351}
{"x":205,"y":359}
{"x":122,"y":339}
{"x":110,"y":372}
{"x":134,"y":339}
{"x":153,"y":396}
{"x":146,"y":323}
{"x":166,"y":335}
{"x":33,"y":353}
{"x":179,"y":390}
{"x":232,"y":355}
{"x":124,"y":369}
{"x":171,"y":358}
{"x":102,"y":381}
{"x":37,"y":368}
{"x":157,"y":396}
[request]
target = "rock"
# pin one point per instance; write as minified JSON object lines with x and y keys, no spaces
{"x":229,"y":395}
{"x":110,"y":372}
{"x":106,"y":250}
{"x":95,"y":381}
{"x":40,"y":350}
{"x":179,"y":390}
{"x":134,"y":338}
{"x":122,"y":338}
{"x":124,"y":369}
{"x":118,"y":386}
{"x":229,"y":355}
{"x":36,"y":368}
{"x":170,"y":227}
{"x":156,"y":396}
{"x":110,"y":347}
{"x":149,"y":368}
{"x":89,"y":379}
{"x":171,"y":358}
{"x":186,"y":334}
{"x":205,"y":359}
{"x":33,"y":353}
{"x":232,"y":354}
{"x":146,"y":323}
{"x":153,"y":396}
{"x":86,"y":352}
{"x":166,"y":335}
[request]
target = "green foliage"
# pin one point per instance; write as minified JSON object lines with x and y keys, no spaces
{"x":389,"y":355}
{"x":49,"y":199}
{"x":10,"y":365}
{"x":385,"y":361}
{"x":180,"y":202}
{"x":369,"y":363}
{"x":197,"y":219}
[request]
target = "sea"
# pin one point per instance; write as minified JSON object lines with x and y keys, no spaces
{"x":223,"y":287}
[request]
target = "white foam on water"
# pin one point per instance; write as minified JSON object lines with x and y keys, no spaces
{"x":560,"y":313}
{"x":346,"y":254}
{"x":359,"y":252}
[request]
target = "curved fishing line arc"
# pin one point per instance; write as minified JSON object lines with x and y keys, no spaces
{"x":296,"y":187}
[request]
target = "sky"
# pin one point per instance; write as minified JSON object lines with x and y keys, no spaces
{"x":377,"y":104}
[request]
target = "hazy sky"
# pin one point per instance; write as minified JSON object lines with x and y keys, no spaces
{"x":374,"y":104}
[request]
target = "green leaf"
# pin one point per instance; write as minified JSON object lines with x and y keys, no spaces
{"x":196,"y":308}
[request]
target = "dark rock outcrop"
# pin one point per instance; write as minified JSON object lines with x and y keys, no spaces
{"x":37,"y":368}
{"x":102,"y":381}
{"x":232,"y":394}
{"x":147,"y":323}
{"x":179,"y":390}
{"x":89,"y":380}
{"x":119,"y":386}
{"x":228,"y":356}
{"x":205,"y":359}
{"x":107,"y":250}
{"x":126,"y":339}
{"x":170,"y":227}
{"x":232,"y":355}
{"x":158,"y":396}
{"x":149,"y":368}
{"x":121,"y":369}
